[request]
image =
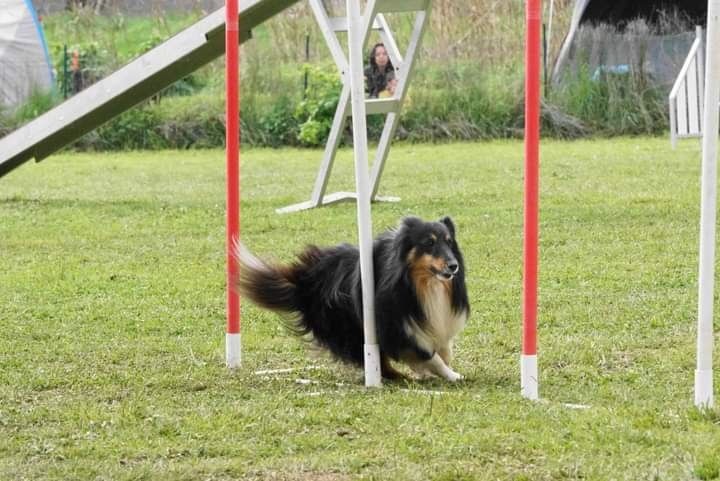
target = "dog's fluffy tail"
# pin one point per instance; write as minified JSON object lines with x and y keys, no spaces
{"x":269,"y":286}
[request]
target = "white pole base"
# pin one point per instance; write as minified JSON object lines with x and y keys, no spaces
{"x":529,"y":377}
{"x":704,"y":388}
{"x":232,"y":350}
{"x":373,"y":376}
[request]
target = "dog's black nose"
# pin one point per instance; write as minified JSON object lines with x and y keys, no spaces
{"x":453,"y":267}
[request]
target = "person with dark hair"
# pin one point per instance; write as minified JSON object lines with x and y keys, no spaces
{"x":380,"y":78}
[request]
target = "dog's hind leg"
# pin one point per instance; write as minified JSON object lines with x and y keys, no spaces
{"x":388,"y":371}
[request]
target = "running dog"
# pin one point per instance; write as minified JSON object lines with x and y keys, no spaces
{"x":421,"y":301}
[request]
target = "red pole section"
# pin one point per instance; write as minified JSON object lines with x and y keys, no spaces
{"x":232,"y":157}
{"x":532,"y":142}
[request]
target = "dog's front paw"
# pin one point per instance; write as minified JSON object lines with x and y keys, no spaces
{"x":453,"y":376}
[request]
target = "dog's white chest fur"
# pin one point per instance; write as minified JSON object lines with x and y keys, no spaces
{"x":442,"y":324}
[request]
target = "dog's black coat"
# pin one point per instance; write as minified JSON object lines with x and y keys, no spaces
{"x":322,"y":290}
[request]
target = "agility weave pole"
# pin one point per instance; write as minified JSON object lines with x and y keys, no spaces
{"x":706,"y":274}
{"x":528,"y":359}
{"x":362,"y":186}
{"x":233,"y":345}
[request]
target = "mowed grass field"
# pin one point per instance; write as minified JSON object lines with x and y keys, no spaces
{"x":112,"y":313}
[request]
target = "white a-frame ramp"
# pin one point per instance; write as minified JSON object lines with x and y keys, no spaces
{"x":170,"y":61}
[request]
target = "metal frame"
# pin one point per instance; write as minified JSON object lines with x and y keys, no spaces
{"x":404,"y":66}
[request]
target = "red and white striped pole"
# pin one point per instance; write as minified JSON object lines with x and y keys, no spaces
{"x":528,"y":360}
{"x":232,"y":159}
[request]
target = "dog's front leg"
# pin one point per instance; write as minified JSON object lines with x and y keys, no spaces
{"x":446,"y":353}
{"x":437,"y":366}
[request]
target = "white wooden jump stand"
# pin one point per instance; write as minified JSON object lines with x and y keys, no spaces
{"x":372,"y":19}
{"x":686,"y":97}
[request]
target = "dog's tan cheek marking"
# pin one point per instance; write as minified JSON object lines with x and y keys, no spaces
{"x":438,"y":264}
{"x":421,"y":276}
{"x":420,"y":272}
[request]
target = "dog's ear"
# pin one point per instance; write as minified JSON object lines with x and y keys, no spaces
{"x":403,"y":236}
{"x":449,"y":224}
{"x":410,"y":222}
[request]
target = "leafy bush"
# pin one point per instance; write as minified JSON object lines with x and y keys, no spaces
{"x":316,"y":111}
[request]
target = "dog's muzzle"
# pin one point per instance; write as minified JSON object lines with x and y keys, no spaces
{"x":450,"y":270}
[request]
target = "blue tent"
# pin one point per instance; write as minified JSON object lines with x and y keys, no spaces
{"x":25,"y":65}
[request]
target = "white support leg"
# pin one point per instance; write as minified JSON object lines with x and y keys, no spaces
{"x":391,"y":123}
{"x":703,"y":373}
{"x":362,"y":185}
{"x":389,"y":40}
{"x":331,"y":147}
{"x":392,"y":119}
{"x":233,"y":347}
{"x":321,"y":16}
{"x":529,"y":377}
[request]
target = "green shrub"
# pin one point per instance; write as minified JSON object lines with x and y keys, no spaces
{"x":316,"y":110}
{"x":37,"y":104}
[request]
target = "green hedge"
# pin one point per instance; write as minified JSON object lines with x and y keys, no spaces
{"x":488,"y":107}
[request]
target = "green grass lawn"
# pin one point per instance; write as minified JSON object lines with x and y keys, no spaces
{"x":112,"y":322}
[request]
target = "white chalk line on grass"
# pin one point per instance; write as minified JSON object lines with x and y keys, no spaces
{"x":430,"y":392}
{"x":286,"y":370}
{"x":565,"y":405}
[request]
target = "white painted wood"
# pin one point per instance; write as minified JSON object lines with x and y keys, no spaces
{"x":339,"y":24}
{"x":334,"y":198}
{"x":686,"y":97}
{"x":380,"y":106}
{"x":332,"y":145}
{"x":327,"y":29}
{"x":392,"y":119}
{"x":693,"y":99}
{"x":701,"y":73}
{"x":388,"y":6}
{"x":391,"y":47}
{"x":673,"y":123}
{"x":682,"y":107}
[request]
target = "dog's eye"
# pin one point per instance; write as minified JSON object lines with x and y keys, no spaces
{"x":430,"y":242}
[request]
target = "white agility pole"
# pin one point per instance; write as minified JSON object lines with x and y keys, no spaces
{"x":703,"y":373}
{"x":356,"y":39}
